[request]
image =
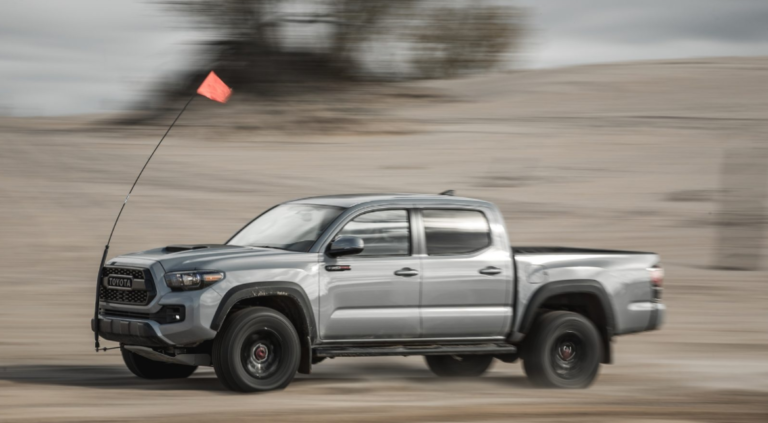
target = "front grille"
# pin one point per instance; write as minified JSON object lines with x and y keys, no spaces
{"x":125,"y":297}
{"x":124,"y":271}
{"x":142,"y":293}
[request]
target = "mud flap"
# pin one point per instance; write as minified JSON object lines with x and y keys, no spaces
{"x":305,"y":363}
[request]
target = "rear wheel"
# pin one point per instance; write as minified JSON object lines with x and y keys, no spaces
{"x":564,"y":351}
{"x":458,"y":365}
{"x":258,"y":350}
{"x":151,"y":369}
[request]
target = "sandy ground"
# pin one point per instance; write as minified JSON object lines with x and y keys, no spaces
{"x":617,"y":156}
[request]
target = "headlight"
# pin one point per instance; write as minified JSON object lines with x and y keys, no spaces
{"x":196,"y":279}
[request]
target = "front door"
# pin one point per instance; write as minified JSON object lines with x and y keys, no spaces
{"x":467,"y":278}
{"x":375,"y":294}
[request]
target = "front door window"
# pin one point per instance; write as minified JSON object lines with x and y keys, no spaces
{"x":385,"y":233}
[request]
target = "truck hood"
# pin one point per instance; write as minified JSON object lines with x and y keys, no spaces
{"x":204,"y":256}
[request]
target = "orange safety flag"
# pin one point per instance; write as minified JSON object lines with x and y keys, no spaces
{"x":215,"y":89}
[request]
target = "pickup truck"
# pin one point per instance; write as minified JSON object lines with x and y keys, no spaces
{"x":375,"y":275}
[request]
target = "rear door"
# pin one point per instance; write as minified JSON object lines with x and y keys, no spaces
{"x":375,"y":294}
{"x":466,"y":283}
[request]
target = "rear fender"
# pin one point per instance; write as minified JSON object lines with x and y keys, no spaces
{"x":573,"y":287}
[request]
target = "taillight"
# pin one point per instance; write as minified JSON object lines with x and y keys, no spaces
{"x":657,"y":281}
{"x":657,"y":276}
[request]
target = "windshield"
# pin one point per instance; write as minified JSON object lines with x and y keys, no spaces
{"x":293,"y":227}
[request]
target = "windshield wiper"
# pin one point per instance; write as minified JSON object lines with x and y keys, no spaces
{"x":268,"y":246}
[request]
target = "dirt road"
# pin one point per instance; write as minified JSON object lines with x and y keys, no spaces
{"x":614,"y":156}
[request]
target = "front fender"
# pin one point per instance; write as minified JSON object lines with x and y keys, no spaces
{"x":265,"y":289}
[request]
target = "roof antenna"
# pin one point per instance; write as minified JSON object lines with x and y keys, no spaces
{"x":450,"y":192}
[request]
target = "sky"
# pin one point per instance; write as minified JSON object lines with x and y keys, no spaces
{"x":571,"y":32}
{"x":63,"y":57}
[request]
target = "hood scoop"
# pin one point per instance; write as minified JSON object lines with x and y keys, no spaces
{"x":188,"y":247}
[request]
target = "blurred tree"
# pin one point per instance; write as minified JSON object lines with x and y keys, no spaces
{"x":234,"y":19}
{"x":438,"y":41}
{"x":455,"y":41}
{"x":355,"y":23}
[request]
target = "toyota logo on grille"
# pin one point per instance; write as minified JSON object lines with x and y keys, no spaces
{"x":125,"y":282}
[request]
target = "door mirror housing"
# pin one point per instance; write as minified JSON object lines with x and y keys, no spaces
{"x":346,"y":246}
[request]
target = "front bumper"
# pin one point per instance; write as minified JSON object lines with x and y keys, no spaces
{"x":130,"y":332}
{"x":155,"y":324}
{"x":122,"y":323}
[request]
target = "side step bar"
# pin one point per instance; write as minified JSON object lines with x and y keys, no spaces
{"x":402,"y":350}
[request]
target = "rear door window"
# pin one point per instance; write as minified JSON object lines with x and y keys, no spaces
{"x":454,"y":232}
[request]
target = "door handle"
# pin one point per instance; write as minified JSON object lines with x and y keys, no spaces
{"x":490,"y":271}
{"x":406,"y":272}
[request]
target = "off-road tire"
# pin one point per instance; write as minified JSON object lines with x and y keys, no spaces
{"x":236,"y":350}
{"x":151,"y":369}
{"x":564,"y":350}
{"x":458,"y":366}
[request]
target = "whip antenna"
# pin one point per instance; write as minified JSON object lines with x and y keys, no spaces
{"x":213,"y":88}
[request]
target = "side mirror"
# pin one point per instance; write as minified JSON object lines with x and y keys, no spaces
{"x":345,"y":246}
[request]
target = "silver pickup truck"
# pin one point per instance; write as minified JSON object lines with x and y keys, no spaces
{"x":375,"y":275}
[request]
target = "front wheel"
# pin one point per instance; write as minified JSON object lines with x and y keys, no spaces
{"x":458,"y":365}
{"x":258,"y":350}
{"x":564,"y":351}
{"x":151,"y":369}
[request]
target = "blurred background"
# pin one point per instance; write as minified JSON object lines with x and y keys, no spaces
{"x":627,"y":125}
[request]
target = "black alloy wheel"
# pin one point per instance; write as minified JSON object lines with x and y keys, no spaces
{"x":260,"y":353}
{"x":564,"y":350}
{"x":257,"y":350}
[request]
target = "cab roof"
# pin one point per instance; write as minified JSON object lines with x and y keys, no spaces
{"x":351,"y":200}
